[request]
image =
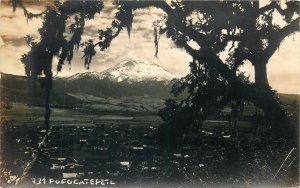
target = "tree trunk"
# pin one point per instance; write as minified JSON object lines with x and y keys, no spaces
{"x":266,"y":99}
{"x":32,"y":89}
{"x":48,"y":87}
{"x":276,"y":117}
{"x":261,"y":79}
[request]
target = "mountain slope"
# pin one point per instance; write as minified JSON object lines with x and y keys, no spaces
{"x":131,"y":70}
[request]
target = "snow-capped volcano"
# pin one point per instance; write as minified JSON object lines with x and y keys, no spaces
{"x":132,"y":69}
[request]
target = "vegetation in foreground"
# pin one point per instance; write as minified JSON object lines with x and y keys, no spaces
{"x":213,"y":156}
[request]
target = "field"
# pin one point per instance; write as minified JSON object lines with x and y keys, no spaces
{"x":120,"y":150}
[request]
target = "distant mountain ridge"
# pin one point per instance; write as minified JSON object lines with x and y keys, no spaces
{"x":130,"y":70}
{"x":86,"y":89}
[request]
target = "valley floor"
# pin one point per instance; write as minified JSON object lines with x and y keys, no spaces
{"x":124,"y":151}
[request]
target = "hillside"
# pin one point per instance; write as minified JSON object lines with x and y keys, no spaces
{"x":89,"y":93}
{"x":290,"y":102}
{"x":104,"y":93}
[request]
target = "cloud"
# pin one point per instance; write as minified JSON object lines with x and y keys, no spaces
{"x":283,"y":67}
{"x":1,"y":41}
{"x":10,"y":59}
{"x":14,"y":23}
{"x":13,"y":40}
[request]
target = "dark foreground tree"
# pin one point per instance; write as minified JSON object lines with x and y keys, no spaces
{"x":247,"y":29}
{"x":38,"y":61}
{"x":252,"y":35}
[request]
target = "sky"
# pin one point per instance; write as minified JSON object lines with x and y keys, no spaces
{"x":283,"y":68}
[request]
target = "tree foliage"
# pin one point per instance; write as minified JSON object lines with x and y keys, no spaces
{"x":248,"y":30}
{"x":52,"y":42}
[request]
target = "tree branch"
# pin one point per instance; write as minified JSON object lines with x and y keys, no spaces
{"x":106,"y":42}
{"x":276,"y":38}
{"x":146,"y":4}
{"x":135,"y":5}
{"x":28,"y":14}
{"x":268,"y":7}
{"x":205,"y":54}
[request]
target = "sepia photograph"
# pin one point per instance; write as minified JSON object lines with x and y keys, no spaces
{"x":149,"y":93}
